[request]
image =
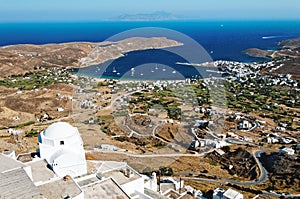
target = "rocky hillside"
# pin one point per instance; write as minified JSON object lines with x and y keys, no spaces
{"x":284,"y":170}
{"x":238,"y":162}
{"x":21,"y":59}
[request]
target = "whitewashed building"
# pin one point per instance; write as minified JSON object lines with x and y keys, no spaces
{"x":287,"y":150}
{"x":62,"y":147}
{"x":229,"y":194}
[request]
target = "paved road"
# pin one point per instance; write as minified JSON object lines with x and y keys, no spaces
{"x":151,"y":155}
{"x":256,"y":154}
{"x":278,"y":195}
{"x":262,"y":178}
{"x":263,"y":172}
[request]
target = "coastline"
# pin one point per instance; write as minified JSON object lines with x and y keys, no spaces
{"x":115,"y":50}
{"x":24,"y":58}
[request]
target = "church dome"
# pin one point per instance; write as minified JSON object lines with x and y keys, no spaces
{"x":60,"y":130}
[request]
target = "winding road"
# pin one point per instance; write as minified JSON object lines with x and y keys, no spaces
{"x":223,"y":181}
{"x":256,"y":154}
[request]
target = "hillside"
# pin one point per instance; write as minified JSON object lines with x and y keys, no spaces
{"x":21,"y":59}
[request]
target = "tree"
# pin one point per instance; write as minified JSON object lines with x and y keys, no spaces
{"x":166,"y":171}
{"x":226,"y":149}
{"x":147,"y":171}
{"x":174,"y":113}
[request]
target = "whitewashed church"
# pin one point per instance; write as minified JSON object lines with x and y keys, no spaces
{"x":61,"y":145}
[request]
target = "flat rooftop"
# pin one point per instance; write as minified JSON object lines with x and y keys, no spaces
{"x":120,"y":177}
{"x":166,"y":186}
{"x":7,"y":163}
{"x":87,"y":181}
{"x":17,"y":184}
{"x":60,"y":188}
{"x":107,"y":188}
{"x":187,"y":196}
{"x":40,"y":171}
{"x":230,"y":193}
{"x":105,"y":166}
{"x":154,"y":194}
{"x":172,"y":194}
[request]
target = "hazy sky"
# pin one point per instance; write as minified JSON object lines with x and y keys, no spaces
{"x":97,"y":10}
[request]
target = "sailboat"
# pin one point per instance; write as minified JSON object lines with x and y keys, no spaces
{"x":114,"y":70}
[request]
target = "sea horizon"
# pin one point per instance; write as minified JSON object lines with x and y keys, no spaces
{"x":222,"y":39}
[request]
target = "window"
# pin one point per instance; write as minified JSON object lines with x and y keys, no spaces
{"x":62,"y":142}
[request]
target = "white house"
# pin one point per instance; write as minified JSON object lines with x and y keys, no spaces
{"x":287,"y":150}
{"x":232,"y":194}
{"x":271,"y":140}
{"x":245,"y":125}
{"x":62,"y":147}
{"x":229,"y":194}
{"x":218,"y":193}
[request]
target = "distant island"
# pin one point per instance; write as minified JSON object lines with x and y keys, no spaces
{"x":155,"y":16}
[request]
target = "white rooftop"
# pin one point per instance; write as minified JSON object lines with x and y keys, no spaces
{"x":107,"y":188}
{"x":61,"y":188}
{"x":17,"y":184}
{"x":232,"y":194}
{"x":40,"y":171}
{"x":60,"y":130}
{"x":7,"y":163}
{"x":105,"y":166}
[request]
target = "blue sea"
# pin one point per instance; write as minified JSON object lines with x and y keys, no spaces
{"x":222,"y":40}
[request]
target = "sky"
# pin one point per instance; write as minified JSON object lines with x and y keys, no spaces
{"x":97,"y":10}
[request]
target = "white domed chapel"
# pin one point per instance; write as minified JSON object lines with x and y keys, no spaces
{"x":61,"y":145}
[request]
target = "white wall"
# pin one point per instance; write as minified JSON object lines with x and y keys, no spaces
{"x":135,"y":185}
